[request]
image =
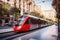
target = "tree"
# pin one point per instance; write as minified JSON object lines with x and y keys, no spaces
{"x":41,"y":16}
{"x":0,"y":8}
{"x":6,"y":6}
{"x":34,"y":13}
{"x":15,"y":11}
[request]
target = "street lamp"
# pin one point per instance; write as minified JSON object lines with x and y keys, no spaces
{"x":58,"y":15}
{"x":43,"y":1}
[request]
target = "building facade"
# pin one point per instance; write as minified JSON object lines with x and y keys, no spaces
{"x":23,"y":5}
{"x":49,"y":14}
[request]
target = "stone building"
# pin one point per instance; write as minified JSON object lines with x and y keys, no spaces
{"x":23,"y":5}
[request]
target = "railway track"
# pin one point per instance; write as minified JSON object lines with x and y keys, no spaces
{"x":11,"y":35}
{"x":5,"y":34}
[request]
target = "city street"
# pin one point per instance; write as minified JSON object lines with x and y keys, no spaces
{"x":47,"y":33}
{"x":29,"y":19}
{"x":6,"y":29}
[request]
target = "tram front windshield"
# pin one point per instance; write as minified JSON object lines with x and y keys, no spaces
{"x":22,"y":20}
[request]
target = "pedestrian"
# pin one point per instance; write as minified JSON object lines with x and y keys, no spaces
{"x":2,"y":20}
{"x":10,"y":20}
{"x":16,"y":21}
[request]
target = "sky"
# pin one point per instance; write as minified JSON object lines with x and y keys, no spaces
{"x":45,"y":5}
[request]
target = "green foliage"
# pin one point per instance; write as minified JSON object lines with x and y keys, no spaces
{"x":58,"y":16}
{"x":37,"y":14}
{"x":7,"y":9}
{"x":6,"y":6}
{"x":0,"y":8}
{"x":14,"y":10}
{"x":17,"y":14}
{"x":34,"y":13}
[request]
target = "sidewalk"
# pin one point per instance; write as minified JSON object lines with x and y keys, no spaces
{"x":6,"y":29}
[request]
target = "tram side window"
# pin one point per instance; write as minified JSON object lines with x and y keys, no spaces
{"x":33,"y":21}
{"x":30,"y":21}
{"x":40,"y":22}
{"x":36,"y":21}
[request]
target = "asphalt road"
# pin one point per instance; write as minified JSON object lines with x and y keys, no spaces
{"x":48,"y":33}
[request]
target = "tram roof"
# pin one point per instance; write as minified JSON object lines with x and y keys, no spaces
{"x":35,"y":17}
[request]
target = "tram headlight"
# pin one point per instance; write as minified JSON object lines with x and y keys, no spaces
{"x":19,"y":27}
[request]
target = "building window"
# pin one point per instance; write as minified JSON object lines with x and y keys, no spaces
{"x":26,"y":0}
{"x":8,"y":0}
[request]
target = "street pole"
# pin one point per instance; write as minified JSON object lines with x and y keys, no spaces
{"x":58,"y":12}
{"x":58,"y":15}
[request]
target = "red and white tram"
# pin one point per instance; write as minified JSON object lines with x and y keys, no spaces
{"x":28,"y":22}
